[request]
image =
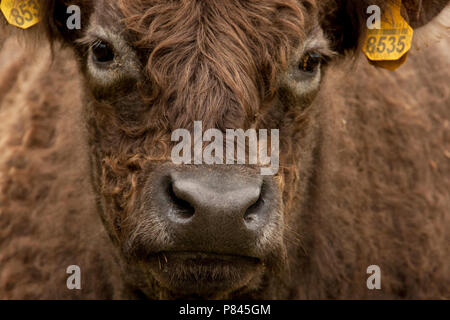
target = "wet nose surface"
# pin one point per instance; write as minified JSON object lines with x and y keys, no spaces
{"x":215,"y":211}
{"x":217,"y":197}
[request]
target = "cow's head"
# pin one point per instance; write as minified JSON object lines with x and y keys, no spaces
{"x":154,"y":66}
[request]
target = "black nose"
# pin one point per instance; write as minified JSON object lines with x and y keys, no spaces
{"x":214,"y":210}
{"x":214,"y":198}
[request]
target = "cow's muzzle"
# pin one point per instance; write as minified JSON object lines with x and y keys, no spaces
{"x":220,"y":223}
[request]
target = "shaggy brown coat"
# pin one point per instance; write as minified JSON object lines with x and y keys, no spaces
{"x":374,"y":148}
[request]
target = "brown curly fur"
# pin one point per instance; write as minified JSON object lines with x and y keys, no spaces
{"x":364,"y":166}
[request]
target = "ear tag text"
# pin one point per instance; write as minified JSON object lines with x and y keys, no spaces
{"x":388,"y":46}
{"x":21,"y":13}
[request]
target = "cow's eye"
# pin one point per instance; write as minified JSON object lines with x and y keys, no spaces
{"x":310,"y":62}
{"x":102,"y":53}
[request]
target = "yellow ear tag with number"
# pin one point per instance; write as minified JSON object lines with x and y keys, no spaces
{"x":21,"y":13}
{"x":388,"y":46}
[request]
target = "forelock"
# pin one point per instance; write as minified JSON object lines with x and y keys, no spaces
{"x":233,"y":50}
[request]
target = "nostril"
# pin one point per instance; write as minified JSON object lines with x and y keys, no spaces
{"x":181,"y":208}
{"x":253,"y":213}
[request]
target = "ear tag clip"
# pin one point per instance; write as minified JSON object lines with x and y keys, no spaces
{"x":388,"y":46}
{"x":21,"y":13}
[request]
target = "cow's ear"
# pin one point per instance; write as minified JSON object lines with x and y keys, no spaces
{"x":345,"y":21}
{"x":430,"y":19}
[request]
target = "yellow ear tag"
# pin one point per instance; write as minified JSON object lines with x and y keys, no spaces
{"x":388,"y":46}
{"x":21,"y":13}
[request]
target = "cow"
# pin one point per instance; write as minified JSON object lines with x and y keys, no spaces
{"x":87,"y":181}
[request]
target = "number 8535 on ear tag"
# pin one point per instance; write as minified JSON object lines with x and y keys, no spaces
{"x":388,"y":46}
{"x":21,"y":13}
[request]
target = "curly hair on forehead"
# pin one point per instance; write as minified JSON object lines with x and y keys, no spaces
{"x":233,"y":48}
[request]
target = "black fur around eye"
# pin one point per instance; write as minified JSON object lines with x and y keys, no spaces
{"x":102,"y":52}
{"x":310,"y":62}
